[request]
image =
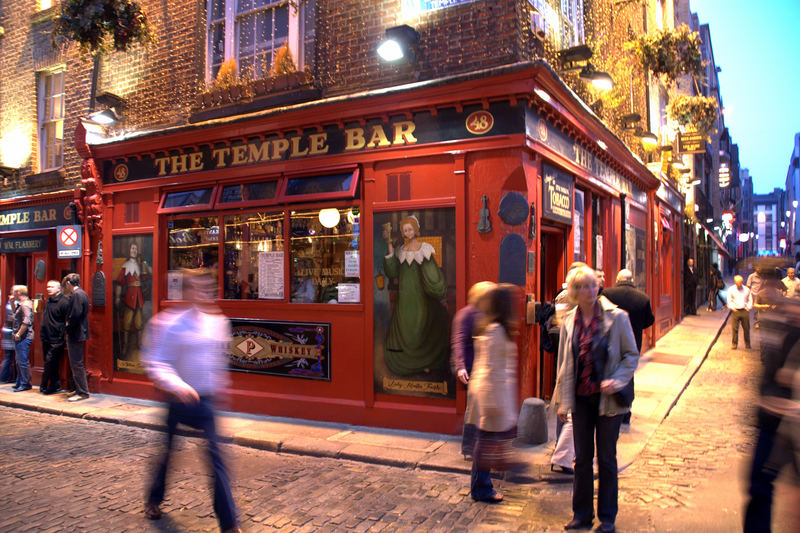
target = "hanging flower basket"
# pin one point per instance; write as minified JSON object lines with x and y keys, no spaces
{"x":669,"y":53}
{"x":695,"y":112}
{"x":99,"y":26}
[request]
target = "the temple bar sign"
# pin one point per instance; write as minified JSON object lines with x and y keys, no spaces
{"x":557,"y":195}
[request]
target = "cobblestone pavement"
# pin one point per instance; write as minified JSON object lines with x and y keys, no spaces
{"x":65,"y":474}
{"x":712,"y":423}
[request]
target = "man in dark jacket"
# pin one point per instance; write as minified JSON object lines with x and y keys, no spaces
{"x":51,"y":333}
{"x":77,"y":334}
{"x":637,"y":304}
{"x":690,"y":288}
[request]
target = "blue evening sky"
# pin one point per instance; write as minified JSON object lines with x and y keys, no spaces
{"x":757,"y":45}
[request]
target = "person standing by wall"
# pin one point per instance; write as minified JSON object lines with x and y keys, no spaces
{"x":740,"y":302}
{"x":754,"y":283}
{"x":22,"y":331}
{"x":185,"y":353}
{"x":77,"y":334}
{"x":51,"y":333}
{"x":462,"y":348}
{"x":690,"y":288}
{"x":599,"y":358}
{"x":7,"y":370}
{"x":637,"y":304}
{"x":715,"y":285}
{"x":792,"y":283}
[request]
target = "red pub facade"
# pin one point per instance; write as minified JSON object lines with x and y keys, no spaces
{"x":345,"y":232}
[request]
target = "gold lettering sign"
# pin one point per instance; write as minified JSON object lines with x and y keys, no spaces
{"x":406,"y":385}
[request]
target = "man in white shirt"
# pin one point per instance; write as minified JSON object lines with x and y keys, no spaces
{"x":740,"y":302}
{"x":792,"y":284}
{"x":185,"y":354}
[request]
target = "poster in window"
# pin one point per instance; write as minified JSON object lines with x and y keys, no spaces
{"x":132,"y":275}
{"x":414,"y":300}
{"x":270,"y":275}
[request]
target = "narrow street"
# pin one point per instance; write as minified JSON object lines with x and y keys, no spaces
{"x":65,"y":474}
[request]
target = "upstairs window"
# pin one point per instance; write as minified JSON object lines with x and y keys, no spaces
{"x":251,"y":31}
{"x":51,"y":120}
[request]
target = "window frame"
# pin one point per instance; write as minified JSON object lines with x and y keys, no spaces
{"x":43,"y":81}
{"x":188,"y":208}
{"x":245,"y":204}
{"x":298,"y":36}
{"x":319,"y":196}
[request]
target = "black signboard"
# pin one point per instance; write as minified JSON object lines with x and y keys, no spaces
{"x":35,"y":217}
{"x":557,"y":195}
{"x":23,"y":244}
{"x":422,"y":127}
{"x":691,"y":143}
{"x":291,"y":349}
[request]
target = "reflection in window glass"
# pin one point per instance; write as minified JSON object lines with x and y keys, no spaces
{"x":325,"y":260}
{"x":188,"y":198}
{"x":254,"y":256}
{"x":319,"y":184}
{"x":193,"y":243}
{"x":249,"y":192}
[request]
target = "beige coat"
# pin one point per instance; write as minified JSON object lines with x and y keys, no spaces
{"x":492,"y":393}
{"x":623,"y":358}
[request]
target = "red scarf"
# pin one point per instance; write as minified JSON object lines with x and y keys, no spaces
{"x":587,"y":382}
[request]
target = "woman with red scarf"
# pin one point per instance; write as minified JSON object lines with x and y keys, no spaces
{"x":598,"y":360}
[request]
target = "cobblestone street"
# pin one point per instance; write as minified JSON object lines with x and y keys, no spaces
{"x":65,"y":474}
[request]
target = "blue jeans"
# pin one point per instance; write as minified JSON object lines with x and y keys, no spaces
{"x":22,"y":349}
{"x":7,"y":370}
{"x":199,"y":416}
{"x":588,"y":425}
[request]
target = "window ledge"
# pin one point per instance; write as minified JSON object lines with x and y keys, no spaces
{"x":47,"y":178}
{"x":43,"y":16}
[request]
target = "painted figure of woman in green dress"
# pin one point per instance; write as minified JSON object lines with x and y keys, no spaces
{"x":418,"y":333}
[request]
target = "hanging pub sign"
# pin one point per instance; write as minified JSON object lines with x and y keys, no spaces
{"x":557,"y":195}
{"x":290,"y":349}
{"x":691,"y":143}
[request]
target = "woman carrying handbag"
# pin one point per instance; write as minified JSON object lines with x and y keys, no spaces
{"x":599,"y":356}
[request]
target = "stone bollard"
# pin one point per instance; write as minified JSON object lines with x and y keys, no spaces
{"x":532,"y":424}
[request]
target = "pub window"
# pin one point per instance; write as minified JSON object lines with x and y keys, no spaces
{"x":192,"y":242}
{"x":51,"y":120}
{"x":254,"y":261}
{"x":338,"y":185}
{"x":260,"y":191}
{"x":190,"y":200}
{"x":324,"y":248}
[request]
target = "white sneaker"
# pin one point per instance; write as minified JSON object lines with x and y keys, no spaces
{"x":77,"y":398}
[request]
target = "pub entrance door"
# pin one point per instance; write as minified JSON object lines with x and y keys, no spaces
{"x":552,"y":268}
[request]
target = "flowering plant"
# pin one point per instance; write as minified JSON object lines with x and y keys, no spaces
{"x":669,"y":53}
{"x":99,"y":26}
{"x":697,"y":111}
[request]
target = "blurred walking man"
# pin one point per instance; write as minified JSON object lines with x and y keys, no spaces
{"x":185,"y":354}
{"x":77,"y":335}
{"x":740,"y":302}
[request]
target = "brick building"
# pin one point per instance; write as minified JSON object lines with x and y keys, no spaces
{"x":294,"y":187}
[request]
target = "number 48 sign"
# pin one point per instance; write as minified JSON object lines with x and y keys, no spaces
{"x":480,"y":122}
{"x":69,"y":241}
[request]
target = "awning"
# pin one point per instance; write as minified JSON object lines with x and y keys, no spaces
{"x":716,"y":240}
{"x":665,"y":223}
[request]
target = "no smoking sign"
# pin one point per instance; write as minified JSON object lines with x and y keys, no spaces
{"x":69,"y":241}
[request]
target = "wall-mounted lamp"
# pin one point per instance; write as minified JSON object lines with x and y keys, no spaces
{"x":630,"y":120}
{"x":574,"y":58}
{"x":400,"y":42}
{"x":8,"y":173}
{"x":649,"y":139}
{"x":600,"y":80}
{"x":106,"y":117}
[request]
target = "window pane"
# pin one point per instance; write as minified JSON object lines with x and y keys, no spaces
{"x":231,"y":193}
{"x":325,"y":261}
{"x":186,"y":198}
{"x":282,"y":22}
{"x":217,"y":43}
{"x":192,"y":243}
{"x":264,"y":30}
{"x":217,"y":9}
{"x":246,"y":37}
{"x":264,"y":190}
{"x":319,"y":184}
{"x":254,"y":248}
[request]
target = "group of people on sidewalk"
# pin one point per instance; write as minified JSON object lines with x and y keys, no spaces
{"x":597,"y":354}
{"x":64,"y":324}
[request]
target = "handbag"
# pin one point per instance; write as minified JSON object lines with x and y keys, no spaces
{"x":625,"y":395}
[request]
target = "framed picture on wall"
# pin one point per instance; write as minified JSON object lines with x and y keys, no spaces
{"x":132,"y":288}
